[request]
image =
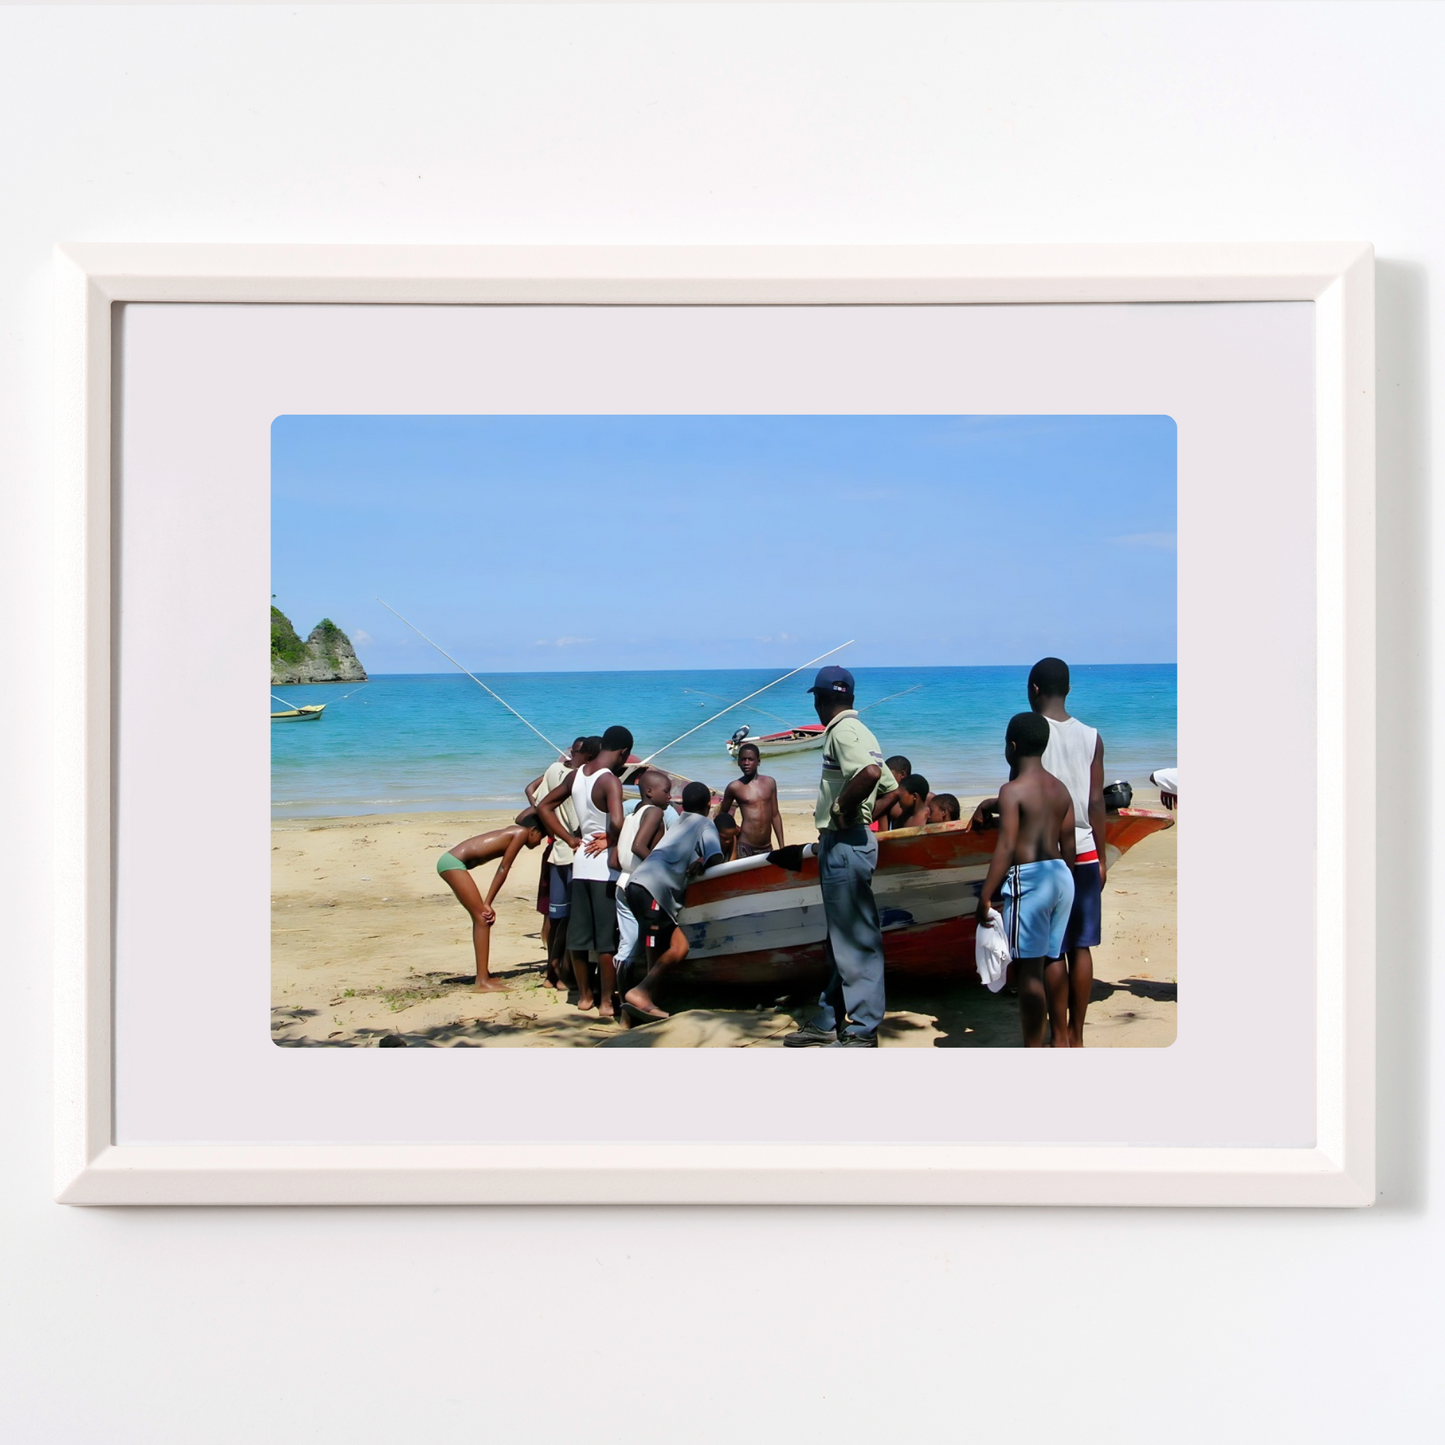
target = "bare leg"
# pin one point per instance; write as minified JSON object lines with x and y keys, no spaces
{"x":641,"y":997}
{"x":1032,"y":1007}
{"x":606,"y":986}
{"x":582,"y":972}
{"x":1056,"y":987}
{"x":558,"y":966}
{"x":1081,"y":984}
{"x":469,"y":896}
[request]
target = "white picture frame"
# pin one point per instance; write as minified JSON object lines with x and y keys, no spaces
{"x":1337,"y":1170}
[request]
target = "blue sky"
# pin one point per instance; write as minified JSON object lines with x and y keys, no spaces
{"x":526,"y":544}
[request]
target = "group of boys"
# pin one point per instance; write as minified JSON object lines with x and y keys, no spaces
{"x":613,"y":881}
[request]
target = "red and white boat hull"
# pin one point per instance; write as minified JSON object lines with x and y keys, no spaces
{"x":752,"y":923}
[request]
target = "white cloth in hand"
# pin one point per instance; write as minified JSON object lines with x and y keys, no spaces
{"x":990,"y":951}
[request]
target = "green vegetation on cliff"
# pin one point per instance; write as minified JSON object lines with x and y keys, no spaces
{"x":287,"y":648}
{"x":327,"y":634}
{"x":326,"y":656}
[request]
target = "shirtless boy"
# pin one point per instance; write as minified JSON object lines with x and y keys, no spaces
{"x":728,"y":833}
{"x":1034,"y":863}
{"x":757,"y":795}
{"x":656,"y":892}
{"x":887,"y":808}
{"x":911,"y":802}
{"x":455,"y":867}
{"x":943,"y":808}
{"x":596,"y":793}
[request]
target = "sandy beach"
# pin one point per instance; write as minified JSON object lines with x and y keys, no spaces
{"x":368,"y":944}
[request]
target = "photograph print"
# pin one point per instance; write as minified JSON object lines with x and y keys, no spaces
{"x":723,"y":731}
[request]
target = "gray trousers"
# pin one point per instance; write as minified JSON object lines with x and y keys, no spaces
{"x":854,"y":991}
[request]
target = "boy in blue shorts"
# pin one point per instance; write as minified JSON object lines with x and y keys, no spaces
{"x":1032,"y":869}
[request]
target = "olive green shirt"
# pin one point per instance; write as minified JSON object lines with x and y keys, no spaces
{"x":848,"y":748}
{"x":566,"y":814}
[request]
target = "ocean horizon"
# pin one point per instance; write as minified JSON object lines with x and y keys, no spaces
{"x":436,"y":742}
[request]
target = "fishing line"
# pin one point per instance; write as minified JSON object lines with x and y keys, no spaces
{"x":697,"y":691}
{"x":475,"y":678}
{"x":890,"y":697}
{"x":748,"y":698}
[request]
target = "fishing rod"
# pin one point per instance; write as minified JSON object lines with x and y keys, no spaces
{"x":748,"y":698}
{"x":342,"y":698}
{"x":474,"y":678}
{"x":700,"y":693}
{"x":890,"y":697}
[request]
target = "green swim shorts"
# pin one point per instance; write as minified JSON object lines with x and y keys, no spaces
{"x":449,"y":861}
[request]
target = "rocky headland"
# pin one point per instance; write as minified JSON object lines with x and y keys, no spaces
{"x":326,"y":656}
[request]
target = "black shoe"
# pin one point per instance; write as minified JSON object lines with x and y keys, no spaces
{"x":810,"y":1036}
{"x":854,"y":1041}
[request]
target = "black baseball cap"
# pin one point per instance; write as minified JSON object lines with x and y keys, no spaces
{"x":833,"y":679}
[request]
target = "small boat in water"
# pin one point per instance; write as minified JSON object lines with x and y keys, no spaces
{"x":795,"y":740}
{"x":300,"y":714}
{"x":754,"y":925}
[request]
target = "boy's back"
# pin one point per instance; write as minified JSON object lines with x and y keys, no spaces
{"x":1031,"y":868}
{"x":1044,"y":806}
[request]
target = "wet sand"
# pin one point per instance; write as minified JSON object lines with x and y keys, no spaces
{"x":368,"y":944}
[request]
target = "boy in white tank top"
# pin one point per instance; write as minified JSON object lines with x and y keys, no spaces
{"x":596,"y":794}
{"x":1075,"y":756}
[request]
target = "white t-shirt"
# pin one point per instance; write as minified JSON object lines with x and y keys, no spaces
{"x":1070,"y":758}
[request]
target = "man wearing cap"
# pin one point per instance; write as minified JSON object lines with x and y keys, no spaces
{"x":851,"y":1007}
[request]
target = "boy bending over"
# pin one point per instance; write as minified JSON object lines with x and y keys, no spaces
{"x":1034,"y":863}
{"x":455,"y":867}
{"x":656,"y":891}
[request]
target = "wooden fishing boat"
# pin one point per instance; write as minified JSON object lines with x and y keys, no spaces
{"x":754,"y":925}
{"x":300,"y":714}
{"x":795,"y":740}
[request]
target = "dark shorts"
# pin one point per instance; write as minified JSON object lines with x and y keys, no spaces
{"x":592,"y":926}
{"x":544,"y":880}
{"x":559,"y":890}
{"x":746,"y":849}
{"x":1084,"y":917}
{"x":655,"y":925}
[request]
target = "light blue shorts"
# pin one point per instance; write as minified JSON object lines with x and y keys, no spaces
{"x":1036,"y":900}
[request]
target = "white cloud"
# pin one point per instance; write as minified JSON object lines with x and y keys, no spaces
{"x":361,"y":637}
{"x":563,"y":641}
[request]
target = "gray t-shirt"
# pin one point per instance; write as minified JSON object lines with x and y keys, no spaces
{"x":663,"y":872}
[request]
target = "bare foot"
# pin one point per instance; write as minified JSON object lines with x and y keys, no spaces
{"x":489,"y":985}
{"x":635,"y":998}
{"x":585,"y":1001}
{"x":607,"y":1010}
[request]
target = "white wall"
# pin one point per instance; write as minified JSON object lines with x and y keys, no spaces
{"x":661,"y":123}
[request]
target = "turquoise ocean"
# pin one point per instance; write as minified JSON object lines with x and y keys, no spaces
{"x":436,"y":742}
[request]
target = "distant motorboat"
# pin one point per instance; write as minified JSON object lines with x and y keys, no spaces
{"x":795,"y":740}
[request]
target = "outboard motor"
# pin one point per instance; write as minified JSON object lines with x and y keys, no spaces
{"x":1116,"y":796}
{"x":741,"y":733}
